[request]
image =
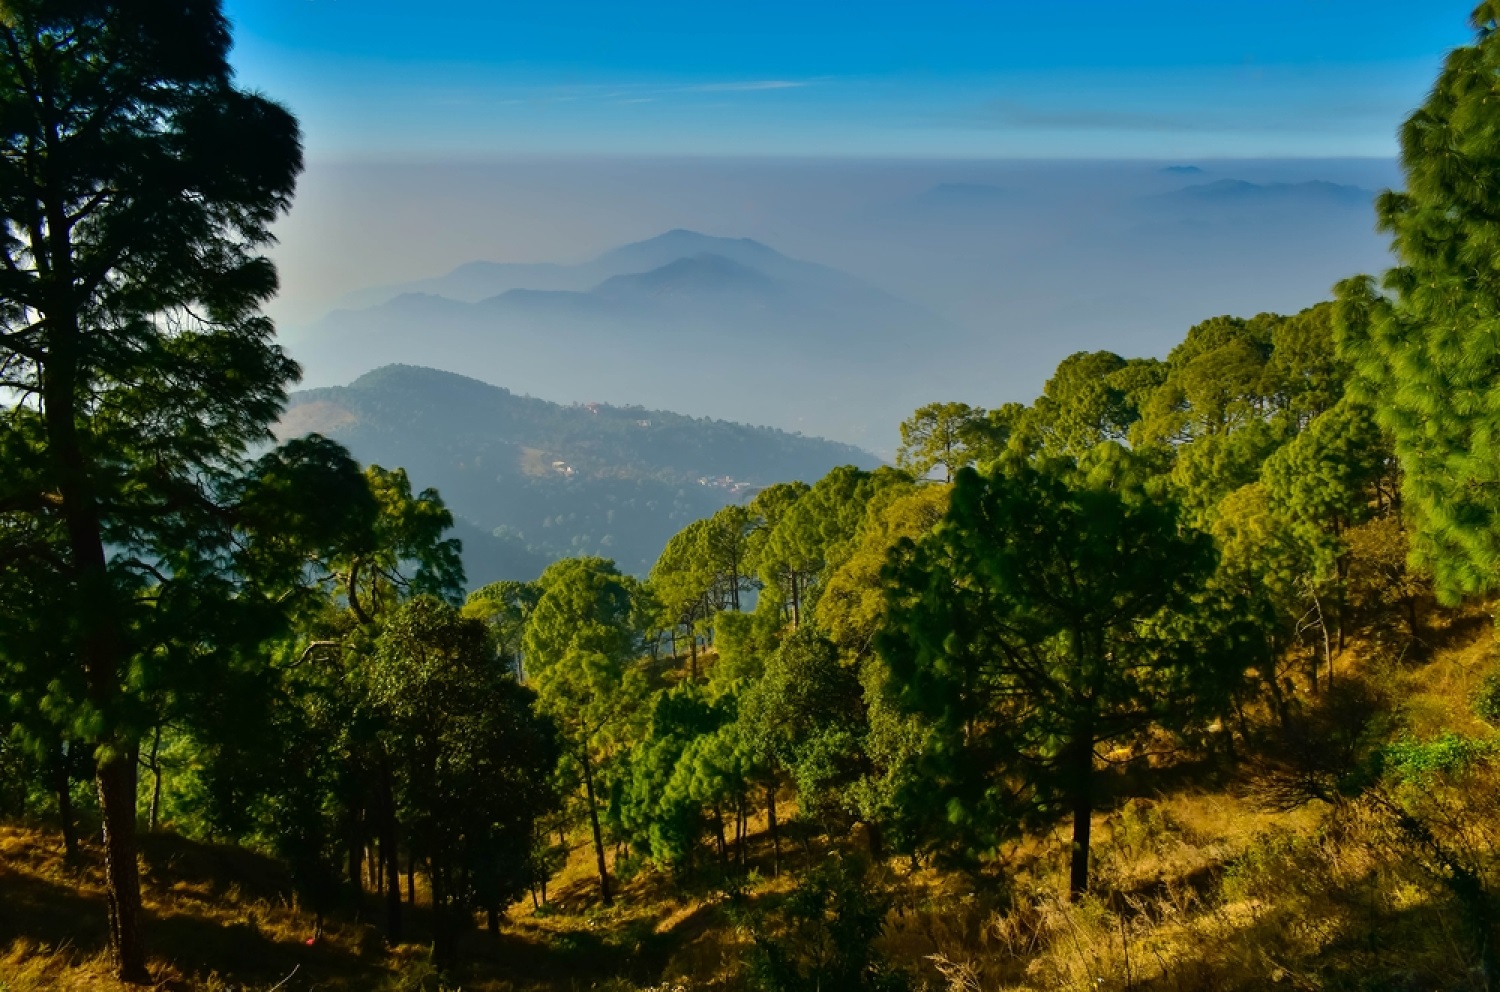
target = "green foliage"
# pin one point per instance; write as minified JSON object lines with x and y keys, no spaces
{"x":1425,"y":351}
{"x":815,"y":534}
{"x":1093,"y":397}
{"x":946,"y":434}
{"x":580,"y":643}
{"x":805,"y":715}
{"x":137,"y":188}
{"x":505,"y":607}
{"x":1036,"y":622}
{"x":471,"y":760}
{"x":825,"y":936}
{"x":1448,"y":754}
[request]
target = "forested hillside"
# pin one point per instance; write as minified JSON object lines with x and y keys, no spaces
{"x":1182,"y":676}
{"x":533,"y":481}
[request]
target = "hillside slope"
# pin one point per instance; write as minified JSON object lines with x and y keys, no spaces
{"x":533,"y":480}
{"x":1215,"y":882}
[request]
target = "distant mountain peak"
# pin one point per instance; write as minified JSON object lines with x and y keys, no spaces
{"x":703,"y":272}
{"x":1242,"y":191}
{"x":1182,"y":170}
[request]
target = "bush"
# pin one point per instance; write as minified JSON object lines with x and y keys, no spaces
{"x":825,"y":940}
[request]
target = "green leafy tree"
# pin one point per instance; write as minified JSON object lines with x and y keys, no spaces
{"x":658,"y":809}
{"x":472,"y":761}
{"x":1424,"y":351}
{"x":815,"y":535}
{"x":852,"y":608}
{"x":1325,"y":481}
{"x":138,"y":185}
{"x":1034,"y":624}
{"x":682,"y":583}
{"x":803,"y":718}
{"x":1093,"y":397}
{"x":505,"y":607}
{"x":580,"y":645}
{"x":943,"y":434}
{"x":1215,"y":382}
{"x":405,"y":552}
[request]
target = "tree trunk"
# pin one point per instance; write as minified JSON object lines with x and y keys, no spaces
{"x":388,"y":844}
{"x":63,"y":785}
{"x":442,"y":922}
{"x":1083,"y":815}
{"x":741,"y":828}
{"x":103,"y":649}
{"x":494,"y":921}
{"x":796,"y":606}
{"x":877,"y":841}
{"x":411,"y":877}
{"x":588,"y":783}
{"x":116,"y":779}
{"x":356,"y":865}
{"x":155,"y":766}
{"x":719,"y":835}
{"x":771,"y":825}
{"x":693,"y":657}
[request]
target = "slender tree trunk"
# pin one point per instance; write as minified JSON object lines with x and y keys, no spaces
{"x":693,"y":657}
{"x":771,"y":826}
{"x":389,"y":830}
{"x":1083,"y":814}
{"x":494,"y":921}
{"x":117,"y":783}
{"x":741,"y":828}
{"x":719,"y":835}
{"x":63,"y":785}
{"x":877,"y":841}
{"x":357,"y":865}
{"x":155,"y":766}
{"x":588,"y":783}
{"x":442,"y":923}
{"x":411,"y":876}
{"x":103,"y":649}
{"x":796,"y":606}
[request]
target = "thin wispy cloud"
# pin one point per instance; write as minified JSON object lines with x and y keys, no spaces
{"x":1010,"y":114}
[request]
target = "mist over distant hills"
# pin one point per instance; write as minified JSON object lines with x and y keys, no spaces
{"x":531,"y":481}
{"x":726,"y":326}
{"x":827,"y":297}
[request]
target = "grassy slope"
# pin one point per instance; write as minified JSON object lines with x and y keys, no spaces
{"x":1204,"y":886}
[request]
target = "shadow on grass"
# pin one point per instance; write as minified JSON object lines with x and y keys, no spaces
{"x":240,"y":952}
{"x":50,"y":914}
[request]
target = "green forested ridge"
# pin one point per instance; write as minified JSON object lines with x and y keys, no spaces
{"x":632,"y":476}
{"x":1181,"y":676}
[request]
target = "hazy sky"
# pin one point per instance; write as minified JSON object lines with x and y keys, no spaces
{"x":380,"y":79}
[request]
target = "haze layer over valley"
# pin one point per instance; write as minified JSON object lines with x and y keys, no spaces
{"x":866,"y":288}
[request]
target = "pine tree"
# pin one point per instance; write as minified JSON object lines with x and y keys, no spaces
{"x":1427,"y":350}
{"x":1035,"y":623}
{"x":136,"y":186}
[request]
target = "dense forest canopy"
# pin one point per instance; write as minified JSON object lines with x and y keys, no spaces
{"x":1163,"y":577}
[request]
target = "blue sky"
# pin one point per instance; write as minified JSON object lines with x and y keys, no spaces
{"x":1159,"y":79}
